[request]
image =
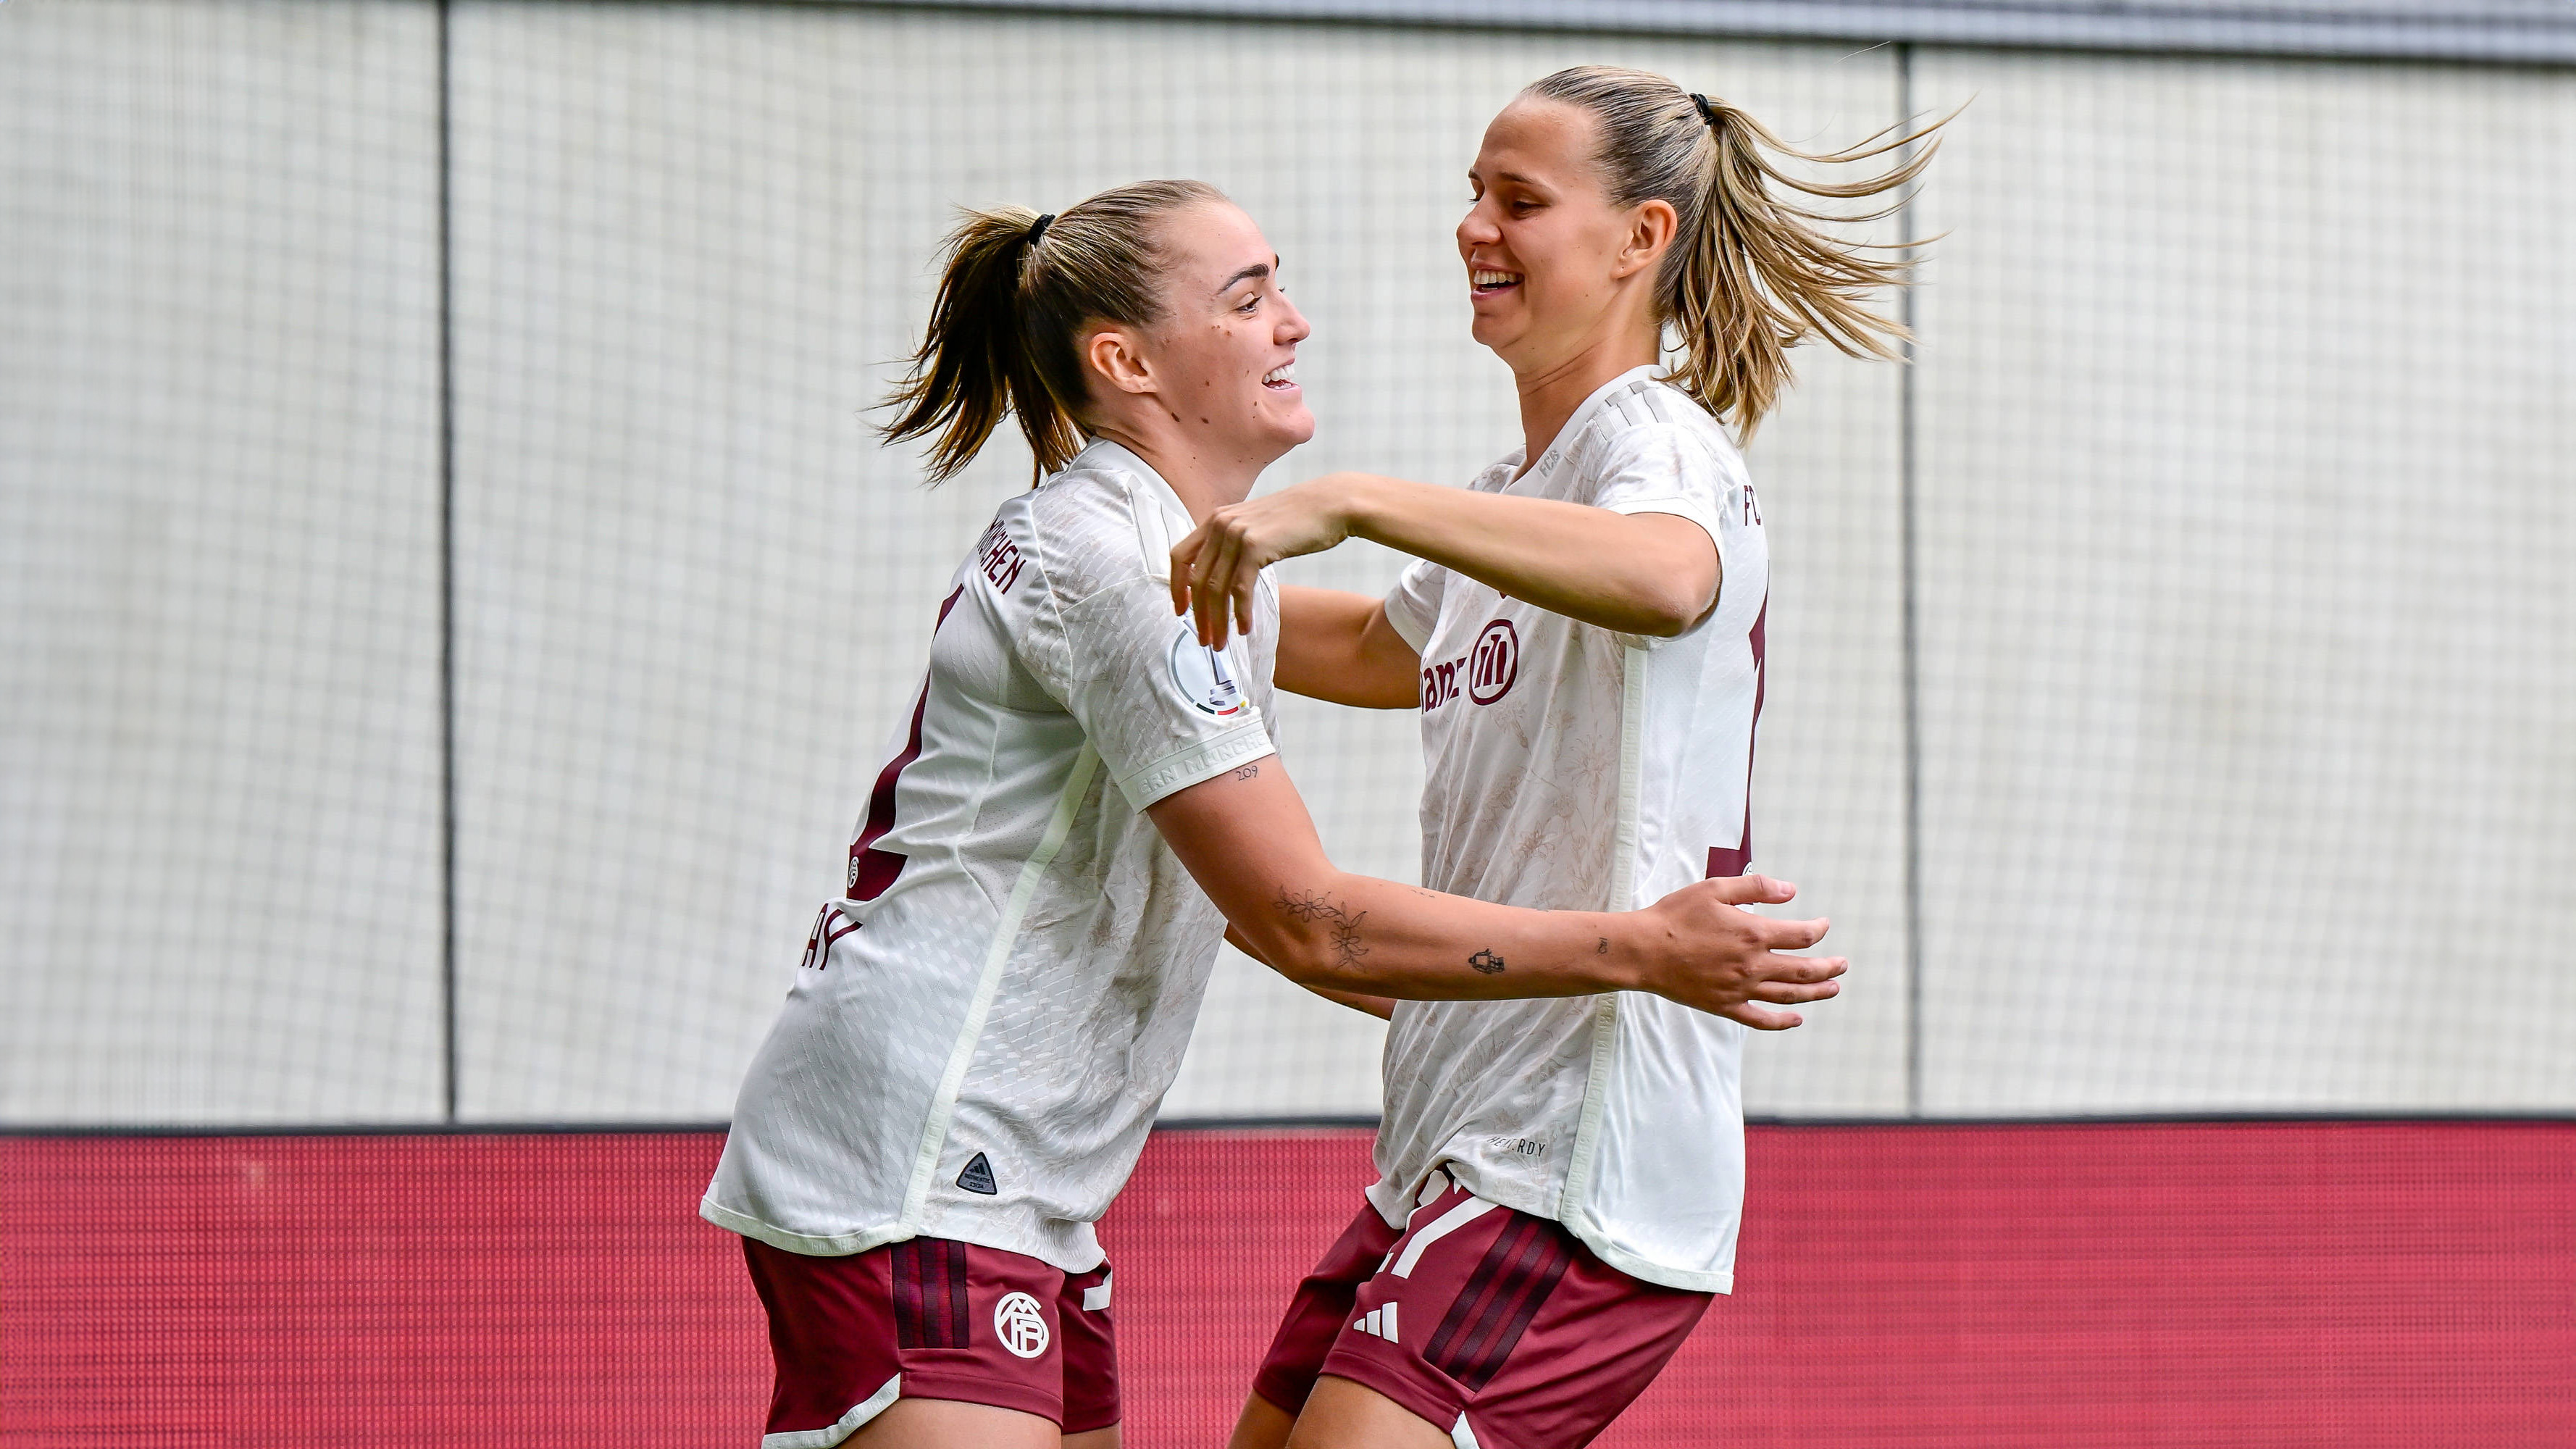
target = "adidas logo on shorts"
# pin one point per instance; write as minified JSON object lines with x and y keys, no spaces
{"x":1380,"y":1322}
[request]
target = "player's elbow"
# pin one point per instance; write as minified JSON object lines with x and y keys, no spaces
{"x":1666,"y":611}
{"x":1667,"y":575}
{"x":1313,"y":965}
{"x":1308,"y":959}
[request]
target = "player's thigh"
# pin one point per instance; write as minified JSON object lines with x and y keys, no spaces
{"x":1093,"y":1439}
{"x":1341,"y":1414}
{"x":1263,"y":1425}
{"x":952,"y":1424}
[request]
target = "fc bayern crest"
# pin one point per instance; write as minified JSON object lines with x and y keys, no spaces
{"x":1201,"y":675}
{"x":1495,"y":664}
{"x":1021,"y":1325}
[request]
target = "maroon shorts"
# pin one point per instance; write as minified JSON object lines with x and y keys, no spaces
{"x":931,"y":1319}
{"x":1495,"y":1325}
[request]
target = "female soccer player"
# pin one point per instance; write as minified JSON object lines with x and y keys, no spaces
{"x":965,"y":1071}
{"x":1560,"y":1180}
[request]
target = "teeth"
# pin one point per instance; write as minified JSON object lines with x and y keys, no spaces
{"x":1285,"y":372}
{"x":1483,"y":278}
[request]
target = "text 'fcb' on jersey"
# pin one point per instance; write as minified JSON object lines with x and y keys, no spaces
{"x":983,"y":1023}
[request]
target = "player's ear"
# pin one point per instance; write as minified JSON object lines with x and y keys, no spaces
{"x":1117,"y":356}
{"x":1651,"y":228}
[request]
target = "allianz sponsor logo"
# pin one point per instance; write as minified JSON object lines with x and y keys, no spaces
{"x":1485,"y":673}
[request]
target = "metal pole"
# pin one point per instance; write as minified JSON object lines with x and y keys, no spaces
{"x":446,"y":592}
{"x":1908,"y":455}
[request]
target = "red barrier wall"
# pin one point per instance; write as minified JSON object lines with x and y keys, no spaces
{"x":2344,"y":1284}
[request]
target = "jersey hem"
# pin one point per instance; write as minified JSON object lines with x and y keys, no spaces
{"x":1193,"y":764}
{"x":831,"y":1245}
{"x":1463,"y":1172}
{"x":1646,"y":1270}
{"x":846,"y":1245}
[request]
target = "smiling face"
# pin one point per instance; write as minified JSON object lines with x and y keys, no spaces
{"x":1547,"y":251}
{"x":1225,"y":352}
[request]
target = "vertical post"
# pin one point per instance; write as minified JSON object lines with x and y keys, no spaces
{"x":446,"y":594}
{"x":1907,"y":455}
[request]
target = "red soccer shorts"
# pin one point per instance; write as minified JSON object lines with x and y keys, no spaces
{"x":1495,"y":1325}
{"x":931,"y":1319}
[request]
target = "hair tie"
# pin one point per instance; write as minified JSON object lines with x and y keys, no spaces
{"x":1707,"y":112}
{"x":1038,"y":228}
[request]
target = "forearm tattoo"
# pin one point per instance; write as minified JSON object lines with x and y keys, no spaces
{"x":1308,"y":906}
{"x":1486,"y":961}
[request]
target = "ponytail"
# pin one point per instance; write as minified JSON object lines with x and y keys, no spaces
{"x":971,"y":367}
{"x":1751,"y":273}
{"x":1015,"y":292}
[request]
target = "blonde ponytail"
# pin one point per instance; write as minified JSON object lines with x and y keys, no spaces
{"x":1015,"y":293}
{"x":1752,"y":272}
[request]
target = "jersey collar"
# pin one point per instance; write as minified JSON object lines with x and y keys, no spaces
{"x":1566,"y":437}
{"x":1104,"y":454}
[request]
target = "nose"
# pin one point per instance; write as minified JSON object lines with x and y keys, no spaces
{"x":1477,"y":228}
{"x":1293,"y":326}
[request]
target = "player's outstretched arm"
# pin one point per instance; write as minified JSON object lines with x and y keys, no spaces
{"x":1381,"y":1007}
{"x":1638,"y":573}
{"x":1247,"y":839}
{"x":1339,"y":647}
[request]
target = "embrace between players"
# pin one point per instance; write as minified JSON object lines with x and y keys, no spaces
{"x":1084,"y":797}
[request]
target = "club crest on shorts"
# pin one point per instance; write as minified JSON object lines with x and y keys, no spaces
{"x":1495,"y":664}
{"x":1201,"y":675}
{"x":1021,"y":1325}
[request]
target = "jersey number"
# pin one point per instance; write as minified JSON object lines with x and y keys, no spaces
{"x":1736,"y":859}
{"x":871,"y":869}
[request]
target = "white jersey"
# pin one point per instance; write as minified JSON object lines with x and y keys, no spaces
{"x":984,"y":1024}
{"x":1573,"y":768}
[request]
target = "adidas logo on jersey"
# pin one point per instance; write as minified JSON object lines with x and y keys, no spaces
{"x":1379,"y":1322}
{"x":978,"y":1176}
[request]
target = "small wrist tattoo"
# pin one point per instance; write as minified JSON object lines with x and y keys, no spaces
{"x":1603,"y":949}
{"x":1486,"y":961}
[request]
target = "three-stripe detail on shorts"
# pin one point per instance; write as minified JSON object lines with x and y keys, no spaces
{"x":1501,"y":1297}
{"x":929,"y":1293}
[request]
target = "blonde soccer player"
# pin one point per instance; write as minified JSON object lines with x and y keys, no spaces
{"x":1560,"y":1180}
{"x":1080,"y":799}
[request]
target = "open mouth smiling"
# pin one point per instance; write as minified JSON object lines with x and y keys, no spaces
{"x":1282,"y":378}
{"x":1490,"y":282}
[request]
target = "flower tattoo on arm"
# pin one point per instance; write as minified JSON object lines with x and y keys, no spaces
{"x":1308,"y":906}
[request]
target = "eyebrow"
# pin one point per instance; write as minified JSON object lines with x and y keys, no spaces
{"x":1252,"y":273}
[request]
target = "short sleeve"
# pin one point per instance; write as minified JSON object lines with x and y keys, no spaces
{"x":1164,"y":711}
{"x":1665,"y":469}
{"x":1413,"y":606}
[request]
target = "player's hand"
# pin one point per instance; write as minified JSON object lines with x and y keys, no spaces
{"x":1215,"y":568}
{"x":1717,"y":957}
